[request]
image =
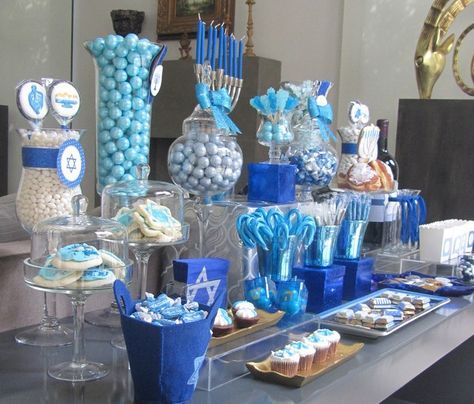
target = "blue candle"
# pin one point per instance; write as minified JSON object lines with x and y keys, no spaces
{"x":221,"y":48}
{"x":209,"y":43}
{"x":226,"y":66}
{"x":231,"y":57}
{"x":213,"y":50}
{"x":241,"y":59}
{"x":203,"y":35}
{"x":198,"y":42}
{"x":234,"y":61}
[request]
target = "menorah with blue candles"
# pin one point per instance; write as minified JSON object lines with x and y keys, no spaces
{"x":227,"y":74}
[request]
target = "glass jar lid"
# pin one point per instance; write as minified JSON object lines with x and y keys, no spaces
{"x":78,"y":252}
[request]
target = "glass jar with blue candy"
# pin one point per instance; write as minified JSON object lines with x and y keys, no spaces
{"x":128,"y":76}
{"x":275,"y":109}
{"x":312,"y":153}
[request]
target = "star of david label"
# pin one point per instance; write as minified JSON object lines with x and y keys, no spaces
{"x":197,"y":366}
{"x":71,"y":163}
{"x":202,"y":282}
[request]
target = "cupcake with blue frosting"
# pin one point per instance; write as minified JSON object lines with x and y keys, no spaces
{"x":333,"y":337}
{"x":306,"y":352}
{"x":321,"y":347}
{"x":285,"y":361}
{"x":223,"y":323}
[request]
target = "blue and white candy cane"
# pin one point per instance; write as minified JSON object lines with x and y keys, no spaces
{"x":306,"y":230}
{"x":282,"y":236}
{"x":126,"y":67}
{"x":293,"y":224}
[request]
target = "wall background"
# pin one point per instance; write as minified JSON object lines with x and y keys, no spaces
{"x":378,"y":45}
{"x":35,"y":42}
{"x":365,"y":47}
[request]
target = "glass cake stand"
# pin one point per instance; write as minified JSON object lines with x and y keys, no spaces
{"x":159,"y":202}
{"x":77,"y":255}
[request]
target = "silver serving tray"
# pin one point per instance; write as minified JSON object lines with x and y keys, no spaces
{"x":327,"y":317}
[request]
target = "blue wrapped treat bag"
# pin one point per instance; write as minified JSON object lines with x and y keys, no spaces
{"x":164,"y":364}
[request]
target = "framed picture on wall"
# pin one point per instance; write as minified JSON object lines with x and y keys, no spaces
{"x":176,"y":17}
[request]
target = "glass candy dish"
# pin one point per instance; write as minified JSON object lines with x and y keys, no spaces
{"x":77,"y":255}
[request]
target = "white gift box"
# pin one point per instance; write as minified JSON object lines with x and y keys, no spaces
{"x":445,"y":240}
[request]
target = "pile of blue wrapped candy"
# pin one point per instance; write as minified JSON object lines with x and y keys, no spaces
{"x":165,"y":311}
{"x":315,"y":166}
{"x":124,"y":108}
{"x":465,"y":268}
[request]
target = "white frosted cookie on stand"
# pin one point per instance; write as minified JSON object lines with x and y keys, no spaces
{"x":49,"y":277}
{"x":94,"y":278}
{"x":113,"y":262}
{"x":148,"y":220}
{"x":77,"y":257}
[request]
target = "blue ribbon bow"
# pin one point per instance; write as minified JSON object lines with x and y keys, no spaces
{"x":323,"y":115}
{"x":413,"y":211}
{"x":219,"y":103}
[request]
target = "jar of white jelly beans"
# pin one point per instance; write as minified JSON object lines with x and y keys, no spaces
{"x":206,"y":160}
{"x":44,"y":192}
{"x":123,"y":101}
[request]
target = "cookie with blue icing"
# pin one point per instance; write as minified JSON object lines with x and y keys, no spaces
{"x":95,"y":278}
{"x":149,"y":220}
{"x":77,"y":257}
{"x":50,"y":277}
{"x":113,"y":262}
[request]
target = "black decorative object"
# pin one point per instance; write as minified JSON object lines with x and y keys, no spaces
{"x":434,"y":152}
{"x":127,"y":21}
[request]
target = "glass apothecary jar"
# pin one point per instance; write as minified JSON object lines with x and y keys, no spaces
{"x":45,"y":191}
{"x":313,"y":155}
{"x":205,"y":160}
{"x":315,"y":159}
{"x":124,"y":67}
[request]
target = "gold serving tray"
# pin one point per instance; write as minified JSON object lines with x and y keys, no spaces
{"x":265,"y":320}
{"x":262,"y":370}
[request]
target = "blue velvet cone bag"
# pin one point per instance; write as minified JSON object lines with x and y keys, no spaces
{"x":164,"y":361}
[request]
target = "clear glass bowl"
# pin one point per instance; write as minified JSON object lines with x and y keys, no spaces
{"x":205,"y":160}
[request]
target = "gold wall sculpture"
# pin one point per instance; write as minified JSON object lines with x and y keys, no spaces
{"x":432,"y":47}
